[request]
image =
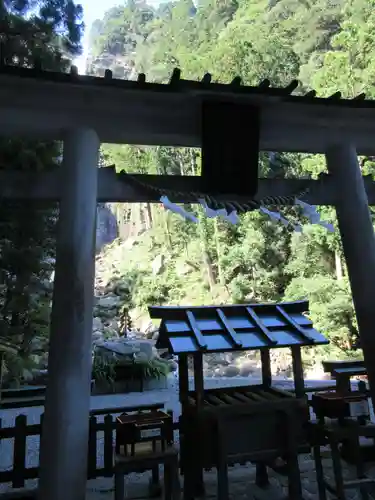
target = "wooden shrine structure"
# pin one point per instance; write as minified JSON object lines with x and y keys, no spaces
{"x":84,"y":112}
{"x":258,"y":423}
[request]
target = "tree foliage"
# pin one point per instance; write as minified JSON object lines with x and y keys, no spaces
{"x":46,"y":33}
{"x":326,"y":44}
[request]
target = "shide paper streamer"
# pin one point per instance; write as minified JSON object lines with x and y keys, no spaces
{"x":232,"y":217}
{"x":311,"y":213}
{"x":308,"y":211}
{"x":177,"y":209}
{"x":229,"y":211}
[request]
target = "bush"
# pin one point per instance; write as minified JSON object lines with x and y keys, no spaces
{"x":115,"y":369}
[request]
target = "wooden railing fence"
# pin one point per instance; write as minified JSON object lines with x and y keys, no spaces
{"x":19,"y":472}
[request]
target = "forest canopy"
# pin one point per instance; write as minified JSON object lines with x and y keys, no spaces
{"x":328,"y":46}
{"x":47,"y":32}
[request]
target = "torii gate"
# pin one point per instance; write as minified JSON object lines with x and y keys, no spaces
{"x":85,"y":111}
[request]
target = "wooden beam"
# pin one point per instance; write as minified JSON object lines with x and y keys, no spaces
{"x":358,"y":242}
{"x":116,"y":188}
{"x":226,"y":142}
{"x":63,"y":453}
{"x":156,"y":115}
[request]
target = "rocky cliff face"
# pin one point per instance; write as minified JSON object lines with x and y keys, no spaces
{"x":112,"y":293}
{"x":106,"y":229}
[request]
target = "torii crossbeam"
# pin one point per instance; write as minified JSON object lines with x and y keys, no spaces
{"x":87,"y":111}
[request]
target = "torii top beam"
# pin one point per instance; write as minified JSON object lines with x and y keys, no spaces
{"x":43,"y":105}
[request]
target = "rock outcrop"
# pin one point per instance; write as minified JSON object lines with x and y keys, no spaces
{"x":106,"y":228}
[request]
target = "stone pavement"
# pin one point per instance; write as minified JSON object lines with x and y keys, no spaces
{"x":241,"y":477}
{"x":242,"y":484}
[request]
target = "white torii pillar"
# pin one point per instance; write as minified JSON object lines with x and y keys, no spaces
{"x":358,"y":240}
{"x":63,"y":451}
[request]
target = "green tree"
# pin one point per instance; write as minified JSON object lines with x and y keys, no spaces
{"x":328,"y":45}
{"x":48,"y":34}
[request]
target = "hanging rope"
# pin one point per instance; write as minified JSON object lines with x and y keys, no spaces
{"x":247,"y":206}
{"x":232,"y":209}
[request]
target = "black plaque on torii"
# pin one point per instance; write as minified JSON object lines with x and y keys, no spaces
{"x":230,"y":147}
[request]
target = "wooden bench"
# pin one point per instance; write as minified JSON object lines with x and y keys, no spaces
{"x":168,"y":458}
{"x":335,"y":435}
{"x":342,"y":371}
{"x":343,"y":376}
{"x":159,"y":451}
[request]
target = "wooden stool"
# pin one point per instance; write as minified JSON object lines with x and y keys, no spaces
{"x":128,"y":464}
{"x":335,"y":436}
{"x":288,"y":448}
{"x":144,"y":440}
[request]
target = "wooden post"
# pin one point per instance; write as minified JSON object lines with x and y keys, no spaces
{"x":64,"y":441}
{"x":299,"y":381}
{"x":198,"y":379}
{"x":183,"y":379}
{"x":265,"y":358}
{"x":358,"y":240}
{"x":199,"y":489}
{"x":261,"y":478}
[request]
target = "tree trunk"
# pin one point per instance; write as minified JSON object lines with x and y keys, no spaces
{"x":121,"y":212}
{"x":166,"y":228}
{"x":209,"y":270}
{"x":338,"y":266}
{"x":148,"y":216}
{"x":218,"y":253}
{"x":205,"y":254}
{"x":138,"y":219}
{"x":193,"y":162}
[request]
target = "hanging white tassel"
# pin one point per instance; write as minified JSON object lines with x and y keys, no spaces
{"x":313,"y":215}
{"x":328,"y":226}
{"x":233,"y":217}
{"x":209,"y":212}
{"x":177,"y":209}
{"x":275,"y":216}
{"x":279,"y":218}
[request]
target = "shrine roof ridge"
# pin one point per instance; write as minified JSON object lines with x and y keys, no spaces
{"x":204,"y":88}
{"x":221,"y":328}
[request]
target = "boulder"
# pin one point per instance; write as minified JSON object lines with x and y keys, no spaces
{"x":130,"y":243}
{"x":97,"y":337}
{"x":231,"y":371}
{"x":106,"y":229}
{"x":173,"y":365}
{"x":219,"y":372}
{"x":112,"y":323}
{"x":316,"y":373}
{"x":120,"y":289}
{"x":158,"y":265}
{"x":141,"y":349}
{"x":246,"y":368}
{"x":116,"y":347}
{"x":146,"y":347}
{"x":281,"y":362}
{"x":165,"y":354}
{"x":109,"y":302}
{"x":97,"y":325}
{"x":39,"y":377}
{"x":153,"y":334}
{"x":183,"y":268}
{"x":105,"y":314}
{"x":215,"y":360}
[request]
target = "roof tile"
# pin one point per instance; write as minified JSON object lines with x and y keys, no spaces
{"x":185,"y":330}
